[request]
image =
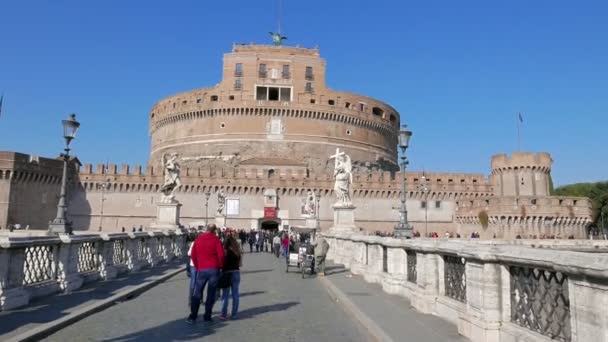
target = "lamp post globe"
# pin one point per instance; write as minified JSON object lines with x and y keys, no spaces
{"x":403,"y":229}
{"x":61,"y":225}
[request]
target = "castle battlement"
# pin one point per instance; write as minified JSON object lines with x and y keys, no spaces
{"x":521,"y":160}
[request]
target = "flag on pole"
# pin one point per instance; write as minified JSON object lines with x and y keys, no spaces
{"x":1,"y":99}
{"x":521,"y":118}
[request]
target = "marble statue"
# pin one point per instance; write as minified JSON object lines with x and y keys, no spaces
{"x":221,"y":202}
{"x":309,"y":205}
{"x":344,"y":178}
{"x":172,"y":178}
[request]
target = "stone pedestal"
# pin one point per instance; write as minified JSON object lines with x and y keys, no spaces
{"x":167,"y":216}
{"x":344,"y":219}
{"x":311,"y":222}
{"x":220,"y":221}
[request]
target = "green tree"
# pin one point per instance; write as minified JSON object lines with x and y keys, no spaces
{"x":597,"y":192}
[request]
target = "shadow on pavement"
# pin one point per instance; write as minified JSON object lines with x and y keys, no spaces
{"x":179,"y":330}
{"x":56,"y":306}
{"x":176,"y":330}
{"x":251,"y":293}
{"x":257,"y":271}
{"x":249,"y":313}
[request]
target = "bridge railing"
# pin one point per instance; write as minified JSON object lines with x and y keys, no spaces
{"x":491,"y":292}
{"x":36,"y":266}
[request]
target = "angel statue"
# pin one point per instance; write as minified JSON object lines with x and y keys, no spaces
{"x":277,"y":38}
{"x":344,"y":178}
{"x":221,"y":202}
{"x":309,"y":205}
{"x":172,"y":180}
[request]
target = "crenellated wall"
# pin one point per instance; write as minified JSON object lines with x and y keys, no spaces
{"x":522,"y":174}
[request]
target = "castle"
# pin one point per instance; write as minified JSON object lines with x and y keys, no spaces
{"x":267,"y":130}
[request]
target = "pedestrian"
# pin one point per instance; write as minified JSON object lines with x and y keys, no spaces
{"x":251,"y":241}
{"x":276,"y":242}
{"x":321,"y":249}
{"x":208,"y":259}
{"x":232,"y":263}
{"x":243,"y":238}
{"x":191,"y":272}
{"x":258,"y":242}
{"x":285,"y":245}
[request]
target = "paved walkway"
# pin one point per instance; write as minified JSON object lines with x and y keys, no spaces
{"x":51,"y":308}
{"x":275,"y":306}
{"x":392,"y":314}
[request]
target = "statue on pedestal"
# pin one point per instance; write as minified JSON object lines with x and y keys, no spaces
{"x":309,"y":205}
{"x":221,"y":202}
{"x":172,"y":179}
{"x":344,"y":178}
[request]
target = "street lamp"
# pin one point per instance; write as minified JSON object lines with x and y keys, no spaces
{"x":207,"y":195}
{"x":318,"y":209}
{"x":103,"y":187}
{"x":423,"y":187}
{"x":403,"y":229}
{"x":60,"y":225}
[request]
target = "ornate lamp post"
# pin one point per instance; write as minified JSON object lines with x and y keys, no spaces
{"x":60,"y":225}
{"x":103,"y":186}
{"x":403,"y":229}
{"x":207,"y":195}
{"x":423,"y":187}
{"x":317,"y":208}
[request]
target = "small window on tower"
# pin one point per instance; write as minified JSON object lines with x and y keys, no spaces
{"x":286,"y":73}
{"x":309,"y":87}
{"x":238,"y":70}
{"x":262,"y":70}
{"x":309,"y":75}
{"x":331,"y":102}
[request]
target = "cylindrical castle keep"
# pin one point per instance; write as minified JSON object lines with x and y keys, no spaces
{"x":273,"y":108}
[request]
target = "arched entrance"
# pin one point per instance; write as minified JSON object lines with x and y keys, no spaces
{"x":269,"y":224}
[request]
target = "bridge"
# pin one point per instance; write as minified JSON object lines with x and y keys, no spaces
{"x":133,"y":287}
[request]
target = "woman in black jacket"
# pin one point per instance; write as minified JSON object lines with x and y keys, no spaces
{"x":232,"y":262}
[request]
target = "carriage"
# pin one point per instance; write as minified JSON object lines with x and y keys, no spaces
{"x":301,"y":255}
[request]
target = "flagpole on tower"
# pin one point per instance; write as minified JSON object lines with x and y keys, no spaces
{"x":519,"y":119}
{"x":279,"y":16}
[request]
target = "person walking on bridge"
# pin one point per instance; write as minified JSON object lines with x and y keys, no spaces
{"x":321,"y":249}
{"x":208,"y":259}
{"x":232,"y":263}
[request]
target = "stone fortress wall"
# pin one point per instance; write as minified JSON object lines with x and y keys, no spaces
{"x":522,"y":204}
{"x":133,"y":193}
{"x":29,"y":189}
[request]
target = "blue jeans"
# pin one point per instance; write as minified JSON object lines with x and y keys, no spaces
{"x":192,"y":279}
{"x":202,"y":278}
{"x":234,"y":288}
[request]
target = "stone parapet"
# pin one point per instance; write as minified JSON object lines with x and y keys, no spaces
{"x":33,"y":267}
{"x":485,"y":287}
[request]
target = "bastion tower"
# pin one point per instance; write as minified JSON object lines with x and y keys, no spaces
{"x":273,"y":109}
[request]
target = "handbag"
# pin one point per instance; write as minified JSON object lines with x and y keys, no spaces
{"x":225,"y":280}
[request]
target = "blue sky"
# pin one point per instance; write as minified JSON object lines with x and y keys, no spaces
{"x":457,"y":71}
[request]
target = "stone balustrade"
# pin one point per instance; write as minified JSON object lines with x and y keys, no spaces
{"x":492,"y":292}
{"x":37,"y":266}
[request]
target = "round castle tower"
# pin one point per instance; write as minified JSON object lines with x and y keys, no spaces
{"x":273,"y":109}
{"x":521,"y":174}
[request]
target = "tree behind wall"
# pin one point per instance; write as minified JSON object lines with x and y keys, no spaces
{"x":597,"y":192}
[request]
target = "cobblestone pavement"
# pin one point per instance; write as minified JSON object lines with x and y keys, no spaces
{"x":274,"y":306}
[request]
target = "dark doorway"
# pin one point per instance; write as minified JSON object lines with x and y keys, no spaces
{"x":269,"y":225}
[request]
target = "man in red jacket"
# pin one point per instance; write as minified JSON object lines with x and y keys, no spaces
{"x":208,"y":258}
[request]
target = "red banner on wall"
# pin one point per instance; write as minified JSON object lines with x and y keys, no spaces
{"x":270,"y":212}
